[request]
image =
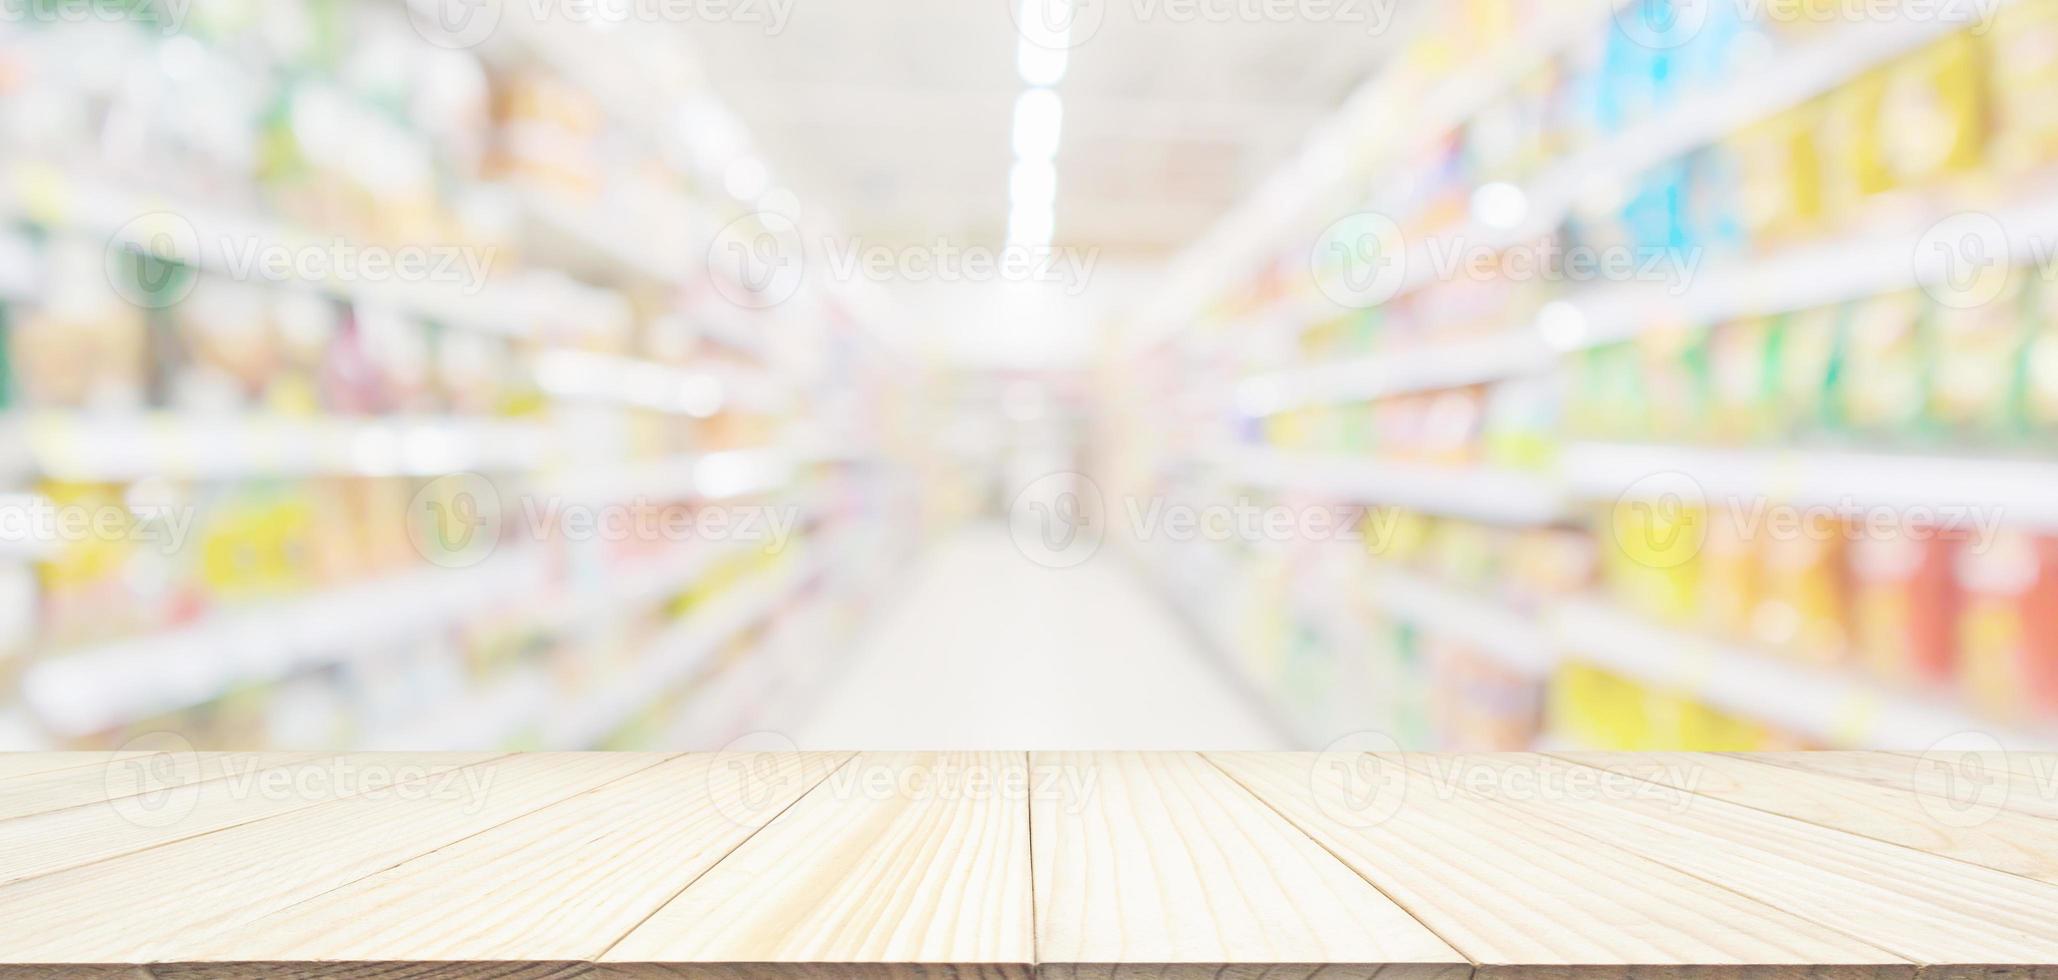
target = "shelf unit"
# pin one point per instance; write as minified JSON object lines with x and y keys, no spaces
{"x":1207,"y":321}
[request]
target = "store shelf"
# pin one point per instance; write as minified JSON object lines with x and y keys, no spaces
{"x":677,"y":655}
{"x":118,"y":448}
{"x":1494,"y":357}
{"x":1517,"y":640}
{"x":65,"y":199}
{"x":1493,"y":496}
{"x":1868,"y":263}
{"x":1835,"y":706}
{"x":124,"y":681}
{"x":1785,"y":80}
{"x":492,"y":719}
{"x":583,"y":376}
{"x":2018,"y":492}
{"x":726,"y":475}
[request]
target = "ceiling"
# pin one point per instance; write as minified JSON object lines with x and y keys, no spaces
{"x":895,"y":115}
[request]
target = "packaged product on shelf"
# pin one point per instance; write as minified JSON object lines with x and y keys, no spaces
{"x":255,"y":540}
{"x":1743,"y":389}
{"x":2004,"y":654}
{"x":1805,"y":355}
{"x":1730,"y":577}
{"x":1597,"y":710}
{"x":1979,"y":390}
{"x":1887,"y":363}
{"x":2023,"y":48}
{"x":83,"y":346}
{"x":1935,"y":112}
{"x":229,"y":349}
{"x":1854,"y":153}
{"x":307,"y":325}
{"x":1709,"y":223}
{"x":1483,"y":705}
{"x":89,"y":584}
{"x":1904,"y":604}
{"x":1648,"y":556}
{"x":1522,"y":423}
{"x":2039,"y":368}
{"x":1677,"y":381}
{"x":1780,"y":163}
{"x":1802,"y":609}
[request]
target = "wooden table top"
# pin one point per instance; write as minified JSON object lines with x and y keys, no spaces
{"x":1005,"y":865}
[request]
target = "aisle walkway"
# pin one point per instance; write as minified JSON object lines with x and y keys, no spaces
{"x":985,"y":650}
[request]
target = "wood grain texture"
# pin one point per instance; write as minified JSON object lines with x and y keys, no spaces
{"x":2024,"y":782}
{"x":1512,"y":893}
{"x":1006,"y":867}
{"x":592,"y":866}
{"x":148,"y":781}
{"x":1936,"y":912}
{"x":131,"y":909}
{"x":896,"y":860}
{"x":1952,"y":826}
{"x":1162,"y":864}
{"x":55,"y":840}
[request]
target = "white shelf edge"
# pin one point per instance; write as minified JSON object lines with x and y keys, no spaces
{"x":1835,"y":705}
{"x":676,"y":654}
{"x":2024,"y":492}
{"x":114,"y":448}
{"x":114,"y":683}
{"x":1517,"y":640}
{"x":1478,"y":360}
{"x":1493,"y":496}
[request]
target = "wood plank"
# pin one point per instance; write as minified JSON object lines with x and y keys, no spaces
{"x":14,"y":765}
{"x":593,"y":866}
{"x":1937,"y":912}
{"x":1995,"y":837}
{"x":148,"y":781}
{"x":1514,"y":894}
{"x":1963,"y":782}
{"x":129,"y":910}
{"x":45,"y":842}
{"x":900,"y":864}
{"x":1165,"y":866}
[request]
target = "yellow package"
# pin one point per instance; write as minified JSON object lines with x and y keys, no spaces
{"x":1598,"y":710}
{"x":1652,"y":556}
{"x":1852,"y":150}
{"x":2023,"y":48}
{"x":1781,"y":168}
{"x":1935,"y":111}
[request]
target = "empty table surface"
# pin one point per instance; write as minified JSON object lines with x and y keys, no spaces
{"x":1011,"y":864}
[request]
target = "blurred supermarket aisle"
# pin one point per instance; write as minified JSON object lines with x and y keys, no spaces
{"x":986,"y":650}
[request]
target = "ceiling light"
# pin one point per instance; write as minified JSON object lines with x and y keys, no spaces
{"x":1039,"y":65}
{"x":1039,"y":117}
{"x":1500,"y":205}
{"x":1032,"y":225}
{"x":1033,"y":182}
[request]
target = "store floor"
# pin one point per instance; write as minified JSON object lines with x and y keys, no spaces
{"x":987,"y":650}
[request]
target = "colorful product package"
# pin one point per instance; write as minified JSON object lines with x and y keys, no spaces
{"x":1904,"y":604}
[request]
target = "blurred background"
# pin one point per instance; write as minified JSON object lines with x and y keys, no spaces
{"x":1483,"y":374}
